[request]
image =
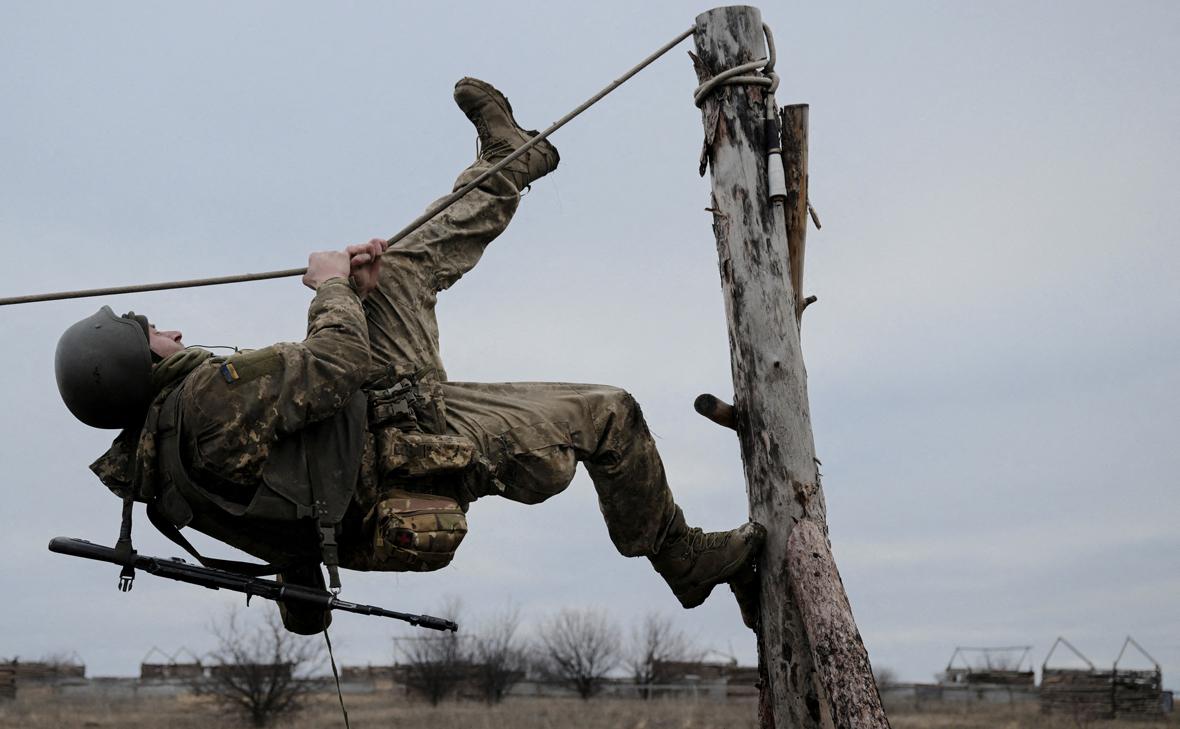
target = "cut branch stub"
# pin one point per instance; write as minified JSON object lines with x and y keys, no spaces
{"x":715,"y":409}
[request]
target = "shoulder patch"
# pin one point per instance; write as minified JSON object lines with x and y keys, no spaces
{"x":250,"y":366}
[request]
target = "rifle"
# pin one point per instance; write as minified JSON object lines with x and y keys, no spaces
{"x":215,"y":579}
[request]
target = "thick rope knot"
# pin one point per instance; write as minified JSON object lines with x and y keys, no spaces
{"x":741,"y":74}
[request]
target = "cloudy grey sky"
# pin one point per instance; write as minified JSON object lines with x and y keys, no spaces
{"x":992,"y":359}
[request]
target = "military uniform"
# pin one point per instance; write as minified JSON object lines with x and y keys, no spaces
{"x":528,"y":436}
{"x":358,"y":428}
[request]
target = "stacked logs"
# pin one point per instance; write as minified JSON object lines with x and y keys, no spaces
{"x":45,"y":671}
{"x":1137,"y":693}
{"x":170,"y":671}
{"x":1078,"y":692}
{"x":1094,"y":694}
{"x":7,"y":682}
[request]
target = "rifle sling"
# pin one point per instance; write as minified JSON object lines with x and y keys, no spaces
{"x":249,"y":569}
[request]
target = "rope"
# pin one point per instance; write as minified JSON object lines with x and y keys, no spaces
{"x":336,"y":675}
{"x":409,"y":228}
{"x":736,"y":75}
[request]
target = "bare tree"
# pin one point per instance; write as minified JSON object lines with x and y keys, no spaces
{"x":579,"y":647}
{"x":886,"y":677}
{"x":500,"y":656}
{"x":258,"y":672}
{"x":436,"y":664}
{"x":656,"y":642}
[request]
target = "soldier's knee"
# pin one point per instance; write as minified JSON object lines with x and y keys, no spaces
{"x":537,"y":461}
{"x":533,"y":476}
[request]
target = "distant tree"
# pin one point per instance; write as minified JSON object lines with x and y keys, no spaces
{"x":655,"y":641}
{"x":435,"y":664}
{"x":500,"y":657}
{"x":258,"y":672}
{"x":886,"y":677}
{"x":579,"y":647}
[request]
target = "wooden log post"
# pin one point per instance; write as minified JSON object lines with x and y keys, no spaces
{"x":794,"y":141}
{"x":806,"y":683}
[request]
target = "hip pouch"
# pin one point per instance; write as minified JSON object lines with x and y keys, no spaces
{"x":415,"y":532}
{"x":402,"y":456}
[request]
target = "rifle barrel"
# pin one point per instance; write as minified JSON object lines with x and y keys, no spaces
{"x":216,"y":579}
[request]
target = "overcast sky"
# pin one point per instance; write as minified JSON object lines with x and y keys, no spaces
{"x":993,"y":358}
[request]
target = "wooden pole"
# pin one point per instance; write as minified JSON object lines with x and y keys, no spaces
{"x":770,"y":409}
{"x":794,"y":141}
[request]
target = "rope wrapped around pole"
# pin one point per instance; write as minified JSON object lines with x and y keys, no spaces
{"x":409,"y":228}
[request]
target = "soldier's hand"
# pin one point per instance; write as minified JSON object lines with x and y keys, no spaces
{"x":323,"y":265}
{"x":365,"y":263}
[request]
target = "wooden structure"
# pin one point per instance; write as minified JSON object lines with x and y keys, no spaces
{"x":1094,"y":693}
{"x":7,"y":682}
{"x":1077,"y":692}
{"x":240,"y":670}
{"x":368,"y":673}
{"x":1083,"y":693}
{"x":170,"y":669}
{"x":1136,"y":692}
{"x":994,"y":671}
{"x":815,"y":670}
{"x":985,"y":677}
{"x":681,"y":671}
{"x":45,"y":671}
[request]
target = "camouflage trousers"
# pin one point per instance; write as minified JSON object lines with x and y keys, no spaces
{"x":530,"y":435}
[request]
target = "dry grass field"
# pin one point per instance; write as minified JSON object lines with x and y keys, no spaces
{"x":42,"y":710}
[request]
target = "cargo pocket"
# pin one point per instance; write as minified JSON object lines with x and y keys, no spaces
{"x":537,"y":461}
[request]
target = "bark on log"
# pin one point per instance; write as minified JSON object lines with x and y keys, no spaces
{"x":770,"y":380}
{"x":794,"y":140}
{"x":837,"y":651}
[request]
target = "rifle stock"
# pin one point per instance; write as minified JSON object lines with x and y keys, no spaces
{"x":215,"y":579}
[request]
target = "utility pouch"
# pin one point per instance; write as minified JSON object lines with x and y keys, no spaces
{"x":415,"y":532}
{"x":416,"y":455}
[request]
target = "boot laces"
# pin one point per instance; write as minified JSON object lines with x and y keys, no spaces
{"x":483,"y":135}
{"x":699,"y":540}
{"x":495,"y":149}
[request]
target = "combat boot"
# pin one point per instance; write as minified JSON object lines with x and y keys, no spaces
{"x":693,"y":561}
{"x":500,"y":135}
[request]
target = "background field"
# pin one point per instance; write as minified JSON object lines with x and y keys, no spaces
{"x":38,"y":710}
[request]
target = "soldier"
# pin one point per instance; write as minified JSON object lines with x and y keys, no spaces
{"x":352,"y":447}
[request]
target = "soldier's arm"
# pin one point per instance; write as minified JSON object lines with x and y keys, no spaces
{"x":320,"y":374}
{"x":255,"y":397}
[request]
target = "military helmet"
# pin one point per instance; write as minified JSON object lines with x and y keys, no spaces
{"x":104,"y":366}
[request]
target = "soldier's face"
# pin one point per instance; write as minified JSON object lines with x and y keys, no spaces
{"x":164,"y":343}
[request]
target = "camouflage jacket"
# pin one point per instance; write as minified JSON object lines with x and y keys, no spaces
{"x":236,"y":408}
